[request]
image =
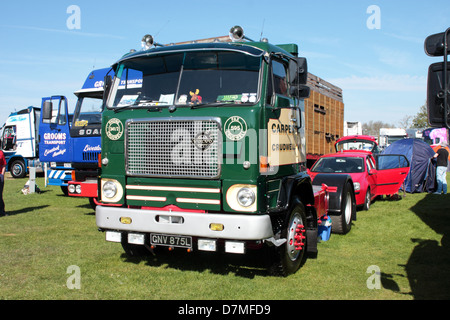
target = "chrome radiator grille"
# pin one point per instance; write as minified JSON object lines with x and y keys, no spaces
{"x":174,"y":148}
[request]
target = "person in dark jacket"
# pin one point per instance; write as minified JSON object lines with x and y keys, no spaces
{"x":441,"y":169}
{"x":2,"y":182}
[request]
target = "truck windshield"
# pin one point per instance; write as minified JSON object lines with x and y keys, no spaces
{"x":88,"y":111}
{"x":188,"y":78}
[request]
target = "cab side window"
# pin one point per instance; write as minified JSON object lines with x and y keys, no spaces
{"x":9,"y":138}
{"x":62,"y":113}
{"x":58,"y":112}
{"x":279,"y":78}
{"x":277,"y":83}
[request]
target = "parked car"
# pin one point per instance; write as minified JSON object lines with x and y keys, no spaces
{"x":372,"y":175}
{"x":357,"y":142}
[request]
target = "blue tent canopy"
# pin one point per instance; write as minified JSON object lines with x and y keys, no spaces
{"x":421,"y":176}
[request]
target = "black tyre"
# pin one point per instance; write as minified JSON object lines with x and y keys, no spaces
{"x":367,"y":201}
{"x":342,"y":223}
{"x":65,"y":190}
{"x":18,"y":169}
{"x":288,"y":258}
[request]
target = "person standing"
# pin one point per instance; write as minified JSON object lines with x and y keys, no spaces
{"x":441,"y":156}
{"x":2,"y":182}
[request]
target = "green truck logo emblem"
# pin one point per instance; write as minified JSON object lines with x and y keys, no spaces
{"x":114,"y":129}
{"x":235,"y":128}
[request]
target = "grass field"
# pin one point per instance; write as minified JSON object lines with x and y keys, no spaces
{"x":49,"y":243}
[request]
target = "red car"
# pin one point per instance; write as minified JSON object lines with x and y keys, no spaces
{"x":357,"y":142}
{"x":372,"y":175}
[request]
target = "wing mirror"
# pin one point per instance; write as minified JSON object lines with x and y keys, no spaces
{"x":47,"y":108}
{"x":107,"y":83}
{"x":298,"y":75}
{"x":438,"y":93}
{"x":438,"y":113}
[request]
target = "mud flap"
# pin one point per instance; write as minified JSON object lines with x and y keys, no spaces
{"x":311,"y":243}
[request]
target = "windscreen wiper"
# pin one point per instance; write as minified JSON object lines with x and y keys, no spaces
{"x":211,"y":104}
{"x":144,"y":103}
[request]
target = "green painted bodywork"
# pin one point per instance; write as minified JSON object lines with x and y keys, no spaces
{"x":234,"y":152}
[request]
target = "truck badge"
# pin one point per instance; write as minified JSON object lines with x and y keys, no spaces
{"x":114,"y":129}
{"x":235,"y":128}
{"x":202,"y":141}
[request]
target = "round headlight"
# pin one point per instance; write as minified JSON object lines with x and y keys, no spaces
{"x":71,"y":188}
{"x":245,"y":197}
{"x":78,"y":188}
{"x":357,"y":186}
{"x":109,"y":189}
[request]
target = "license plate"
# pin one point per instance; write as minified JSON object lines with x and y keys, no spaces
{"x":171,"y":240}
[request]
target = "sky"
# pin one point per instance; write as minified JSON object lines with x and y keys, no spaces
{"x":372,"y":50}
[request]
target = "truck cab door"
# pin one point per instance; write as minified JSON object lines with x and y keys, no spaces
{"x":54,"y":131}
{"x":391,"y":172}
{"x":285,"y":121}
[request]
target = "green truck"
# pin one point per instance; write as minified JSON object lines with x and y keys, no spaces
{"x":204,"y":149}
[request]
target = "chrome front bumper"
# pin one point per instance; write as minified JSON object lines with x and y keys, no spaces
{"x":235,"y":226}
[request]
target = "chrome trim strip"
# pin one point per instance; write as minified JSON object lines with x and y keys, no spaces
{"x":146,"y":198}
{"x":202,"y":201}
{"x":180,"y":189}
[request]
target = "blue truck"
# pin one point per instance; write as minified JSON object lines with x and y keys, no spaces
{"x":70,"y":143}
{"x":19,"y":140}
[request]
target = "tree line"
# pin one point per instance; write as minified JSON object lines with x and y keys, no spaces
{"x":418,"y":121}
